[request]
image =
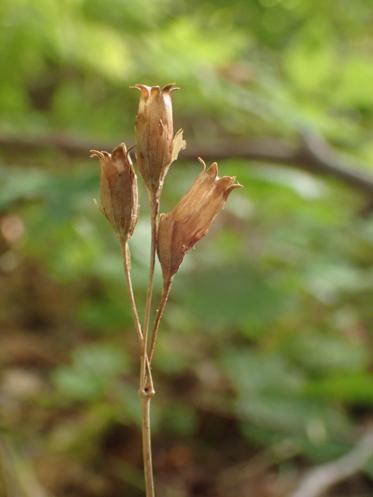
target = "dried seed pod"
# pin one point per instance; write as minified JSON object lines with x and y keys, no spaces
{"x":157,"y":147}
{"x":189,"y":221}
{"x":118,"y":187}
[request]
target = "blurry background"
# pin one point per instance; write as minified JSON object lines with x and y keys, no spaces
{"x":264,"y":366}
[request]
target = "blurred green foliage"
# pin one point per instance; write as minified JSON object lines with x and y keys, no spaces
{"x":271,"y":316}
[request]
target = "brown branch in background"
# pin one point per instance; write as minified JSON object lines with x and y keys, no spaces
{"x":320,"y":479}
{"x":312,"y":154}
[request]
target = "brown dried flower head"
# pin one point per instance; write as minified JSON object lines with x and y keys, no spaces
{"x":118,"y":187}
{"x":189,"y":221}
{"x":157,"y":147}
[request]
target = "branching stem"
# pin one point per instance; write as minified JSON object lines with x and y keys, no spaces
{"x":146,"y":389}
{"x":146,"y":381}
{"x":154,"y":206}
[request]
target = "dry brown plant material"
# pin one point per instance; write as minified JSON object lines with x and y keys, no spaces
{"x":157,"y":147}
{"x":172,"y":234}
{"x":189,"y":221}
{"x":119,"y":197}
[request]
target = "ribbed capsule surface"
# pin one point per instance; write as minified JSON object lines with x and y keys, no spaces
{"x":118,"y":190}
{"x":181,"y":228}
{"x":156,"y":145}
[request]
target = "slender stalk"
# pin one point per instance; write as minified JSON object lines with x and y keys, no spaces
{"x":147,"y":446}
{"x":160,"y":311}
{"x":154,"y":206}
{"x":127,"y":272}
{"x":146,"y":381}
{"x":135,"y":315}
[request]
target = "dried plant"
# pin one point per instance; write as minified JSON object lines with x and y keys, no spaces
{"x":172,"y":234}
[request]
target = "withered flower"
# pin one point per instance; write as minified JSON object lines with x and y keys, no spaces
{"x":189,"y":221}
{"x":157,"y":147}
{"x":118,"y":188}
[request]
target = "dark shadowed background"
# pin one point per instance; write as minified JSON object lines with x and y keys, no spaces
{"x":264,"y":366}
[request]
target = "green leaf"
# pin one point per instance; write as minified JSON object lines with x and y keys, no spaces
{"x":91,"y":373}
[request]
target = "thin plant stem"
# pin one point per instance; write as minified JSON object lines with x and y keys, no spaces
{"x":146,"y":384}
{"x":158,"y":318}
{"x":127,"y":271}
{"x":146,"y":387}
{"x":147,"y":446}
{"x":135,"y":314}
{"x":154,"y":206}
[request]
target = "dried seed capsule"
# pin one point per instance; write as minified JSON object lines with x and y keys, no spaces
{"x":118,"y":187}
{"x":157,"y":147}
{"x":189,"y":221}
